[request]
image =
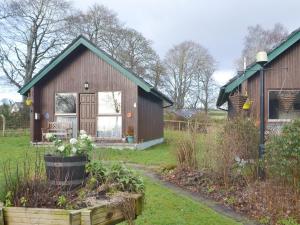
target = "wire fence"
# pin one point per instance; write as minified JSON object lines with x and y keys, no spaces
{"x":14,"y":128}
{"x":179,"y":125}
{"x":20,"y":128}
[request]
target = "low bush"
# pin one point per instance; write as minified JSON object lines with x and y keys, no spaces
{"x":238,"y":148}
{"x":283,"y":155}
{"x":187,"y":151}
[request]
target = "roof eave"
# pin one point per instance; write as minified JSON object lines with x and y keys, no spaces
{"x":68,"y":50}
{"x":252,"y":70}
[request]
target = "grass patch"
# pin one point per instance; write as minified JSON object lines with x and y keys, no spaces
{"x":165,"y":207}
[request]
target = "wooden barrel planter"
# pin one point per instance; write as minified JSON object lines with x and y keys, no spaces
{"x":287,"y":99}
{"x":103,"y":213}
{"x":66,"y":171}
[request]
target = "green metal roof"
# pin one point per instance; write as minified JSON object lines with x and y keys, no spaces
{"x":252,"y":69}
{"x":81,"y":40}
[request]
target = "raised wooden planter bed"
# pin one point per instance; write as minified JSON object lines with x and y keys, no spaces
{"x":104,"y":213}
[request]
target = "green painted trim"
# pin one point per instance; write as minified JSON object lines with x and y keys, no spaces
{"x":23,"y":90}
{"x":82,"y":41}
{"x":223,"y":95}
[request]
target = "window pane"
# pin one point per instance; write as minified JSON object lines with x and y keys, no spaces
{"x":109,"y":127}
{"x":65,"y":103}
{"x":109,"y":102}
{"x":284,"y":104}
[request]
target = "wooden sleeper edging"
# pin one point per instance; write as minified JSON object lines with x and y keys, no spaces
{"x":107,"y":214}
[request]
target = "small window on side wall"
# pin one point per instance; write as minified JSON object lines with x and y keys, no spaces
{"x":284,"y":104}
{"x":65,"y":103}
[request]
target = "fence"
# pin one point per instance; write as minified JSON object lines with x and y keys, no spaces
{"x":179,"y":125}
{"x":18,"y":127}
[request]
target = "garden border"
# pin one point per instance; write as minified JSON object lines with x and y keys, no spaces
{"x":105,"y":213}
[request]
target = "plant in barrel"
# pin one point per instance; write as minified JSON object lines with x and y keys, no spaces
{"x":66,"y":161}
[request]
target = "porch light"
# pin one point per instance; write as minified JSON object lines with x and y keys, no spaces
{"x":262,"y":58}
{"x":86,"y":85}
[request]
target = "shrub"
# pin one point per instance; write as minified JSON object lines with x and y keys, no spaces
{"x":238,"y":145}
{"x":283,"y":154}
{"x":124,"y":179}
{"x":97,"y":170}
{"x":116,"y":176}
{"x":187,"y":152}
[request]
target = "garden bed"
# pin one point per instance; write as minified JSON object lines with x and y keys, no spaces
{"x":265,"y":201}
{"x":103,"y":212}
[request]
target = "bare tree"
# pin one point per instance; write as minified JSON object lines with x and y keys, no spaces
{"x":158,"y":71}
{"x":204,"y":86}
{"x":137,"y":54}
{"x":188,"y":78}
{"x":30,"y":35}
{"x":102,"y":26}
{"x":258,"y":39}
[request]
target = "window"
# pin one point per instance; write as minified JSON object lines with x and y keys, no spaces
{"x":109,"y":124}
{"x":65,"y":103}
{"x":284,"y":104}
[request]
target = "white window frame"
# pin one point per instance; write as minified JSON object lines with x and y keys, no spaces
{"x":110,"y":114}
{"x":66,"y":93}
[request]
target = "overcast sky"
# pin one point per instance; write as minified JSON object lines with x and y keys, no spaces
{"x":218,"y":25}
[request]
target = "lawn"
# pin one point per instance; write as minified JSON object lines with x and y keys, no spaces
{"x":159,"y":155}
{"x":163,"y":206}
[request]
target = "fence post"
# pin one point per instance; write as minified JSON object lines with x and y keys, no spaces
{"x":1,"y":215}
{"x":3,"y":125}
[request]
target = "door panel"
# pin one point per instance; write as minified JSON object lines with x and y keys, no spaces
{"x":87,"y":112}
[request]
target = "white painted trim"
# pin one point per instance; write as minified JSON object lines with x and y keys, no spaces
{"x":148,"y":144}
{"x":139,"y":146}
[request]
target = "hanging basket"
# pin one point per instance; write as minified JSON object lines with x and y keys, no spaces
{"x":238,"y":100}
{"x":287,"y":99}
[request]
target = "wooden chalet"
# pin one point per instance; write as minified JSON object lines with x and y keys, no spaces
{"x":281,"y":90}
{"x":86,"y":87}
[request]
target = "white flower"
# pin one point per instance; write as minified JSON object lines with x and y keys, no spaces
{"x":93,"y":145}
{"x":74,"y":150}
{"x":61,"y":148}
{"x":89,"y":138}
{"x":82,"y":132}
{"x":73,"y":141}
{"x":49,"y":136}
{"x":237,"y":159}
{"x":83,"y":136}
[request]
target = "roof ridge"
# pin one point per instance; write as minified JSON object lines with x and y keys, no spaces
{"x":82,"y":40}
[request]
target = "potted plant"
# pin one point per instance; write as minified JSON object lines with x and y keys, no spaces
{"x":130,"y":134}
{"x":65,"y":163}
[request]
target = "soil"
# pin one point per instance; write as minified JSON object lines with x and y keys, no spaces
{"x":266,"y":202}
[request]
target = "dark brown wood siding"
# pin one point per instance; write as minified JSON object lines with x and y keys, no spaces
{"x":73,"y":72}
{"x":276,"y":77}
{"x":150,"y":119}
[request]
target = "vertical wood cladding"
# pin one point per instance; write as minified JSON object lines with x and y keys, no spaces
{"x":150,"y":118}
{"x":81,"y":66}
{"x":282,"y":73}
